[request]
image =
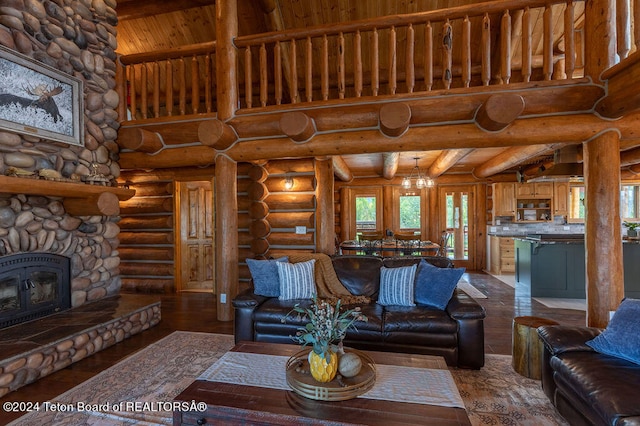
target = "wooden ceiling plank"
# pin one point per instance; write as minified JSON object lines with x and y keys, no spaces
{"x":145,"y":8}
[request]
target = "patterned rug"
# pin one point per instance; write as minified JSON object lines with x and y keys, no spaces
{"x":138,"y":390}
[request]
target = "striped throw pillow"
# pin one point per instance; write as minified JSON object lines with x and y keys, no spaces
{"x":296,"y":280}
{"x":396,"y":286}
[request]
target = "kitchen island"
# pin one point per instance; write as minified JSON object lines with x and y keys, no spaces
{"x":553,"y":265}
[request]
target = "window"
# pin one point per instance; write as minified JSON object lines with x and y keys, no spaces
{"x":366,"y":217}
{"x":629,"y":201}
{"x":409,"y":212}
{"x":576,"y":203}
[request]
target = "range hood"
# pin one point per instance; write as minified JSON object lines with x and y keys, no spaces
{"x":566,"y":166}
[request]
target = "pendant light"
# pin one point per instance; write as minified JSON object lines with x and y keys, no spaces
{"x":421,"y":182}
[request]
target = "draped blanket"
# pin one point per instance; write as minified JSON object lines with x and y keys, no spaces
{"x":328,"y":285}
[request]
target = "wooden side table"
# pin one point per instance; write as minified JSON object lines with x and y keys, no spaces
{"x":527,"y":346}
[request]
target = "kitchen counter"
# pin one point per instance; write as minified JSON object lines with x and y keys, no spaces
{"x":555,"y":267}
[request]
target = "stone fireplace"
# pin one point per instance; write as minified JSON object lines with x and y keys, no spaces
{"x":32,"y":285}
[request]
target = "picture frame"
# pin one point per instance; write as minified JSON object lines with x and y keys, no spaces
{"x":39,"y":100}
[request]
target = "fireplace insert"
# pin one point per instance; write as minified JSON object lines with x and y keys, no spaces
{"x":33,"y":285}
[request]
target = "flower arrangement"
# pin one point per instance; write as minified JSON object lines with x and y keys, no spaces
{"x":327,"y":326}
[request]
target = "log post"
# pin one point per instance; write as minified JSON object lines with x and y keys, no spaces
{"x":140,"y":140}
{"x":226,"y":58}
{"x":298,"y":126}
{"x":226,"y":218}
{"x":394,"y":119}
{"x":216,"y":134}
{"x":325,"y":210}
{"x":499,"y":111}
{"x":603,"y":234}
{"x":600,"y":37}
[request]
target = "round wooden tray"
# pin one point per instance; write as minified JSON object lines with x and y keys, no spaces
{"x":339,"y":389}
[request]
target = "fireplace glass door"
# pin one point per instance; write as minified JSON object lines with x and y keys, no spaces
{"x":10,"y":294}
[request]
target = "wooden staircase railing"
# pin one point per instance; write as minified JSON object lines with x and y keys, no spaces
{"x":493,"y":43}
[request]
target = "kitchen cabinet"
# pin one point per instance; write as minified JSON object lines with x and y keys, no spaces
{"x":561,"y":199}
{"x":502,"y":255}
{"x":534,"y":190}
{"x":504,"y":201}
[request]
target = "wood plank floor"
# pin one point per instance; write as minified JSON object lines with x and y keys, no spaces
{"x":197,"y":312}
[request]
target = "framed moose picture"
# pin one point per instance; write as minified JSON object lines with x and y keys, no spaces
{"x":39,"y":100}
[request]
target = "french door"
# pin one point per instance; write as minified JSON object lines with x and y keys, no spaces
{"x":457,"y":211}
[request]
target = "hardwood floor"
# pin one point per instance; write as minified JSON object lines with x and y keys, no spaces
{"x":197,"y":312}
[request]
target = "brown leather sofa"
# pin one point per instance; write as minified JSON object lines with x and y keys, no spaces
{"x":586,"y":387}
{"x":456,"y":333}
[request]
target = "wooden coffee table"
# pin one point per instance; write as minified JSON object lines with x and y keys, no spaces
{"x":233,"y":403}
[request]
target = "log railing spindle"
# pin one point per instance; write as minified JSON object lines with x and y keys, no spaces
{"x":277,"y":72}
{"x":325,"y":68}
{"x":486,"y":50}
{"x":393,"y":62}
{"x":526,"y":45}
{"x":547,"y":31}
{"x":409,"y":65}
{"x":248,"y":89}
{"x":309,"y":70}
{"x":195,"y":85}
{"x":132,"y":91}
{"x":357,"y":63}
{"x":144,"y":91}
{"x":341,"y":70}
{"x":466,"y":51}
{"x":182,"y":84}
{"x":569,"y":41}
{"x":623,"y":27}
{"x":207,"y":83}
{"x":156,"y":89}
{"x":168,"y":66}
{"x":428,"y":56}
{"x":264,"y":78}
{"x":293,"y":70}
{"x":447,"y":44}
{"x":375,"y":63}
{"x":505,"y":44}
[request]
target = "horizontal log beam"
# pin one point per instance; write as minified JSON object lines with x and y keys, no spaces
{"x":509,"y":158}
{"x":446,"y":160}
{"x":499,"y":111}
{"x":623,"y":94}
{"x":539,"y":130}
{"x":194,"y":156}
{"x":341,"y":169}
{"x":390,"y":162}
{"x":137,"y":139}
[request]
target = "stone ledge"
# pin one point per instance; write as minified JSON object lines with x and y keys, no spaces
{"x":114,"y":319}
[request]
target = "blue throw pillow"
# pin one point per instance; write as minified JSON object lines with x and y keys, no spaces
{"x":396,"y":286}
{"x":264,"y":273}
{"x":621,"y":338}
{"x":297,"y":280}
{"x":435,"y":286}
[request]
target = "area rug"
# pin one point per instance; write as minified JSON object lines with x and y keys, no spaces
{"x":465,"y":286}
{"x":562,"y":303}
{"x":138,"y":390}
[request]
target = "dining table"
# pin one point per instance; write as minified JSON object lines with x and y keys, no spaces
{"x":390,"y":247}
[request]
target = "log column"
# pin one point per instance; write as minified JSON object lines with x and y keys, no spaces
{"x":603,"y":235}
{"x":226,"y":182}
{"x":325,"y":210}
{"x":226,"y":202}
{"x":603,"y":239}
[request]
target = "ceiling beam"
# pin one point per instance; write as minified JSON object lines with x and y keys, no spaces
{"x":135,"y":9}
{"x":341,"y":169}
{"x":509,"y":158}
{"x":446,"y":160}
{"x":390,"y":162}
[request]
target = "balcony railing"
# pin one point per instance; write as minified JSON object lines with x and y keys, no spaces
{"x":494,"y":43}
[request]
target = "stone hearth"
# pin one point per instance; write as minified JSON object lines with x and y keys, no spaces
{"x":38,"y":348}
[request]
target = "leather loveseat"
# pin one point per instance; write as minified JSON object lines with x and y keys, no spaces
{"x":455,"y":333}
{"x":587,"y":387}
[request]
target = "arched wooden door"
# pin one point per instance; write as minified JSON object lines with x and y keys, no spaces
{"x":195,"y":269}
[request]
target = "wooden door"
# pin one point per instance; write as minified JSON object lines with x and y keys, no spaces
{"x":458,"y":213}
{"x":195,"y":261}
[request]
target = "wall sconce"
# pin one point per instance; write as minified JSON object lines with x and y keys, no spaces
{"x":288,"y":183}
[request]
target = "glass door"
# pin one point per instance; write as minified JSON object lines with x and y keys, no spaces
{"x":457,"y":204}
